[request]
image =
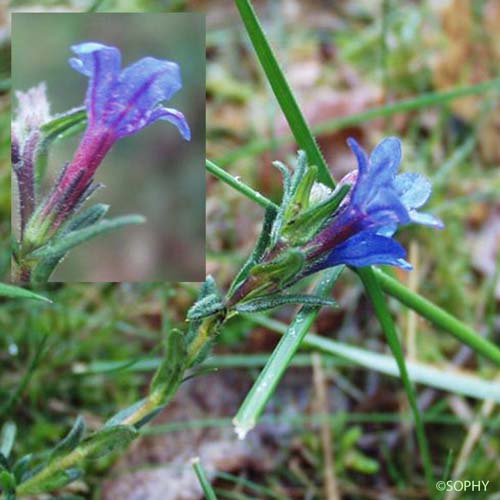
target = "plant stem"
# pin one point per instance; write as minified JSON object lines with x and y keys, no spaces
{"x":208,"y":330}
{"x":143,"y":411}
{"x":238,"y":185}
{"x":32,"y":485}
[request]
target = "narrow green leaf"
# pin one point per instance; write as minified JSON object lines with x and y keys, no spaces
{"x":88,"y":216}
{"x":42,"y":271}
{"x":238,"y":185}
{"x":207,"y":306}
{"x":62,"y":126}
{"x":74,"y":238}
{"x":258,"y":251}
{"x":298,"y":175}
{"x":62,"y":122}
{"x":20,"y":293}
{"x":71,"y":441}
{"x":124,"y":414}
{"x":438,"y":317}
{"x":107,"y":440}
{"x":302,"y":194}
{"x":277,"y":300}
{"x":170,"y":373}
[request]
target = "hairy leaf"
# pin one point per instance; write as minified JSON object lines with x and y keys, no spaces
{"x":71,"y":441}
{"x":277,"y":300}
{"x":74,"y":238}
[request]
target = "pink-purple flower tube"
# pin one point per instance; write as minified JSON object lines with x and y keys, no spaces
{"x":119,"y":102}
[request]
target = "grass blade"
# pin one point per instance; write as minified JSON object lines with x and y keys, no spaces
{"x":202,"y":478}
{"x":377,"y":298}
{"x":339,"y":123}
{"x":280,"y":359}
{"x":282,"y":91}
{"x":438,"y":316}
{"x":450,"y":380}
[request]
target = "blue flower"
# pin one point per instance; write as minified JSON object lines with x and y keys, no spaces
{"x":360,"y":232}
{"x":122,"y":102}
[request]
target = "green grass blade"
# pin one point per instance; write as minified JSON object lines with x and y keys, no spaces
{"x":450,"y":380}
{"x":282,"y":91}
{"x":341,"y":354}
{"x":268,"y":379}
{"x":15,"y":292}
{"x":335,"y":124}
{"x":377,"y":298}
{"x":202,"y":478}
{"x":438,"y":316}
{"x":258,"y":489}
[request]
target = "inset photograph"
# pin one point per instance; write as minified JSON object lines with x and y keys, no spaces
{"x":108,"y":147}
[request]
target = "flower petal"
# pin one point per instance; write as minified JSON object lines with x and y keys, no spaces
{"x":366,"y":249}
{"x":385,"y":208}
{"x":426,"y":219}
{"x":413,"y":189}
{"x":378,"y":173}
{"x":142,"y":87}
{"x":173,"y":116}
{"x":386,"y":157}
{"x":102,"y":65}
{"x":360,"y":155}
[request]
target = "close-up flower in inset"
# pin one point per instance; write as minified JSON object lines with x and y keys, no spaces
{"x":118,"y":103}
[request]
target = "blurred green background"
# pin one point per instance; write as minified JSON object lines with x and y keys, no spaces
{"x":155,"y":172}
